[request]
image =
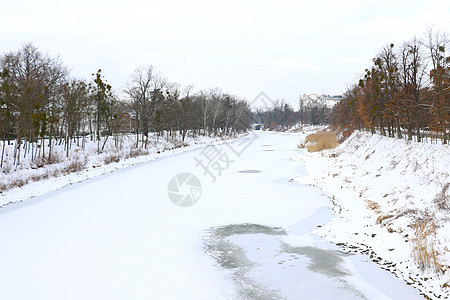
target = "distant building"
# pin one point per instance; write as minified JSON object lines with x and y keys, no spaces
{"x":314,"y":99}
{"x":331,"y":100}
{"x":258,"y":126}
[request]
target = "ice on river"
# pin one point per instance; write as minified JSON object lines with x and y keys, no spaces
{"x":248,"y":236}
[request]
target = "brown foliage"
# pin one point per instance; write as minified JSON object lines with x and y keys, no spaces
{"x":111,"y":158}
{"x":424,"y":252}
{"x":320,"y":141}
{"x":406,"y":90}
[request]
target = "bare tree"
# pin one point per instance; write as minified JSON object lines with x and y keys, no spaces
{"x":413,"y":81}
{"x":33,"y":81}
{"x":146,"y":93}
{"x":185,"y":112}
{"x":206,"y":106}
{"x":217,"y":109}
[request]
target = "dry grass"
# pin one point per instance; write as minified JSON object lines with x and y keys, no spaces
{"x":321,"y":140}
{"x":382,"y":218}
{"x":111,"y":158}
{"x":373,"y":206}
{"x":176,"y":146}
{"x":136,"y":152}
{"x":55,"y":158}
{"x":423,"y":250}
{"x":13,"y":184}
{"x":76,"y":165}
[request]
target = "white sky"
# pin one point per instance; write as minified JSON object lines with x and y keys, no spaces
{"x":284,"y":48}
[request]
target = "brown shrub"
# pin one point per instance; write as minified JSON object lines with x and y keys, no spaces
{"x":321,"y":140}
{"x":373,"y":206}
{"x":15,"y":184}
{"x":424,"y":252}
{"x":37,"y":177}
{"x":75,"y":166}
{"x":111,"y":158}
{"x":382,"y":218}
{"x":136,"y":152}
{"x":55,"y":158}
{"x":180,"y":144}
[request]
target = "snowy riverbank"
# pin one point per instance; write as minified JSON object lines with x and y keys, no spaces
{"x":31,"y":180}
{"x":392,"y":202}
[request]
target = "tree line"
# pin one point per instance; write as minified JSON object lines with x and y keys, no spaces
{"x":405,"y":92}
{"x":42,"y":105}
{"x":282,"y":116}
{"x":278,"y":117}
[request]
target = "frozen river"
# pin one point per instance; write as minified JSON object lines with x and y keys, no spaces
{"x":222,"y":222}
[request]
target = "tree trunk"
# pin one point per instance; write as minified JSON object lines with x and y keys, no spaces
{"x":3,"y":150}
{"x":399,"y":129}
{"x":419,"y":138}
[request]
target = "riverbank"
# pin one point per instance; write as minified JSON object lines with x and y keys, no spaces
{"x":391,"y":200}
{"x":31,"y":180}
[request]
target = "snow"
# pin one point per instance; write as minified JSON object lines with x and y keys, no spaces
{"x":94,"y":163}
{"x":381,"y":187}
{"x":118,"y":236}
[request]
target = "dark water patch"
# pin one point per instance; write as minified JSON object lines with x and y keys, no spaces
{"x":249,"y":171}
{"x":246,"y":228}
{"x":263,"y":266}
{"x":326,"y":262}
{"x":227,"y":254}
{"x":230,"y":256}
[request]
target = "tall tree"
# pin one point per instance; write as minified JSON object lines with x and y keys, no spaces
{"x":146,"y":92}
{"x":103,"y":98}
{"x":440,"y":77}
{"x":32,"y":80}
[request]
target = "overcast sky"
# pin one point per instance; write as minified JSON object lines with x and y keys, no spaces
{"x":284,"y":48}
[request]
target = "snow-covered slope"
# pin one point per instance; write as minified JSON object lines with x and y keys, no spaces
{"x":392,"y":200}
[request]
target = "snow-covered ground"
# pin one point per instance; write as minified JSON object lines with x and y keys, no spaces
{"x":83,"y":164}
{"x":119,"y":235}
{"x":392,"y":202}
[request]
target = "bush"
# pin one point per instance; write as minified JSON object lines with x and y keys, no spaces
{"x":55,"y":158}
{"x":424,"y":252}
{"x":136,"y":152}
{"x":75,"y":165}
{"x":321,"y":140}
{"x":111,"y":158}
